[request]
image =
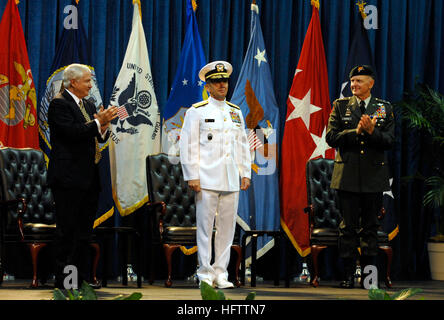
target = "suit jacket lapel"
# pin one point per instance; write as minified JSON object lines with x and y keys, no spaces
{"x":74,"y":106}
{"x":90,"y":108}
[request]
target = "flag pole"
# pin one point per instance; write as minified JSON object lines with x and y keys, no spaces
{"x":140,"y":6}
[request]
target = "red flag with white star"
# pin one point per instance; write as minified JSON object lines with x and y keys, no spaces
{"x":18,"y":107}
{"x":308,"y":109}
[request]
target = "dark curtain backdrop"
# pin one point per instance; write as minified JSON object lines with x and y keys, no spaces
{"x":408,"y":46}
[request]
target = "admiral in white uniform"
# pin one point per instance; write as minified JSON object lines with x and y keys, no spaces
{"x":215,"y":156}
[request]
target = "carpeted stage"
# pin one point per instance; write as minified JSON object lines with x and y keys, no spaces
{"x":183,"y":301}
{"x":265,"y":290}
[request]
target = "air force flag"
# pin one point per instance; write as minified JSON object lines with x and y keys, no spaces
{"x":259,"y":205}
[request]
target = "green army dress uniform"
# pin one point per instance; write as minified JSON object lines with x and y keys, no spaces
{"x":360,"y":163}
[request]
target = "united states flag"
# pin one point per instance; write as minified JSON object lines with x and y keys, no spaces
{"x":253,"y":140}
{"x":122,"y":113}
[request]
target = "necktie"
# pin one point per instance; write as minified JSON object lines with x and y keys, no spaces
{"x":98,"y":155}
{"x":362,"y":107}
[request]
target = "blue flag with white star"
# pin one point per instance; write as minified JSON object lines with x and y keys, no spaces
{"x":254,"y":94}
{"x":187,"y":88}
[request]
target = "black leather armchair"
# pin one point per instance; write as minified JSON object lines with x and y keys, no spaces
{"x":171,"y":204}
{"x":4,"y":207}
{"x":324,"y":215}
{"x":23,"y":175}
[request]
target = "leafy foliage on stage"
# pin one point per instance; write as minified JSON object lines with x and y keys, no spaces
{"x":209,"y":293}
{"x":86,"y":292}
{"x":423,"y":111}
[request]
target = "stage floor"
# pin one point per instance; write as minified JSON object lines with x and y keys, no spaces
{"x":182,"y":290}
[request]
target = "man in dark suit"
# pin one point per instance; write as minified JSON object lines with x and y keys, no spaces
{"x":361,"y":128}
{"x":76,"y":128}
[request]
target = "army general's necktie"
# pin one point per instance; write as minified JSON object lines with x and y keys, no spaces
{"x":98,"y":155}
{"x":362,"y":106}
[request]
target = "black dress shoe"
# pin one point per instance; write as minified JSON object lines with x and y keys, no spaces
{"x":59,"y":285}
{"x":96,"y":285}
{"x":348,"y":283}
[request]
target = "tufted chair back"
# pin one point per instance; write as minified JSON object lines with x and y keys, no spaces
{"x":166,"y":184}
{"x":325,"y":216}
{"x":171,"y":203}
{"x":23,"y":174}
{"x":326,"y":213}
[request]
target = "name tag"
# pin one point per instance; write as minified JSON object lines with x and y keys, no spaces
{"x":209,"y":120}
{"x":346,"y":118}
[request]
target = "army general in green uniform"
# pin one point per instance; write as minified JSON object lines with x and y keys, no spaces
{"x":361,"y":128}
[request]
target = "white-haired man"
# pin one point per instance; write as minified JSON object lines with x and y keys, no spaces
{"x":76,"y":128}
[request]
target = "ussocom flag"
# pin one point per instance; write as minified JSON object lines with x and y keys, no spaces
{"x":136,"y":132}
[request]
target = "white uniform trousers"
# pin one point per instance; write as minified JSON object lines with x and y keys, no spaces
{"x":208,"y":203}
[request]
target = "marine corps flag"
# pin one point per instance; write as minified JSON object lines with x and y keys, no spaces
{"x":187,"y":87}
{"x":308,"y":110}
{"x":136,"y":132}
{"x":73,"y":48}
{"x":259,"y":205}
{"x":18,"y":101}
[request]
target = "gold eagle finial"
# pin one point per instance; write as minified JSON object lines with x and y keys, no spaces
{"x":315,"y":3}
{"x":361,"y":4}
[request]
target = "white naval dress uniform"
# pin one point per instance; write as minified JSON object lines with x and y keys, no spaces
{"x":214,"y":149}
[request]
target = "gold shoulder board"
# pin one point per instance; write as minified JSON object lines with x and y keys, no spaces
{"x":200,"y":104}
{"x":383,"y":101}
{"x":232,"y":105}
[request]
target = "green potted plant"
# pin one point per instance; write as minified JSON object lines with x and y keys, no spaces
{"x":424,"y":111}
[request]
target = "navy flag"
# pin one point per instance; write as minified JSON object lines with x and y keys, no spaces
{"x":73,"y":48}
{"x":187,"y":88}
{"x":259,"y":205}
{"x":360,"y":53}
